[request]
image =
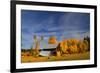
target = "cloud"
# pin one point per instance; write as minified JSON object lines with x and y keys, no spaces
{"x":75,"y":21}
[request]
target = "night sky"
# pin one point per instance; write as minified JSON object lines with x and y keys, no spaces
{"x":62,"y":25}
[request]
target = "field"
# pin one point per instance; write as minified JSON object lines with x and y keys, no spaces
{"x":70,"y":49}
{"x":65,"y":57}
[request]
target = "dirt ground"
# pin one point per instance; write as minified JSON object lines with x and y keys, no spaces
{"x":66,"y":57}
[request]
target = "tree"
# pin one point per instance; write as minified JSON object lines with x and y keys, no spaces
{"x":63,"y":46}
{"x":37,"y":45}
{"x":42,"y":38}
{"x":35,"y":38}
{"x":83,"y":46}
{"x":73,"y":49}
{"x":86,"y":44}
{"x":52,"y":40}
{"x":31,"y":51}
{"x":72,"y":46}
{"x":88,"y":40}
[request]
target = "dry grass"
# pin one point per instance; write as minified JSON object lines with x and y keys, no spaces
{"x":65,"y":57}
